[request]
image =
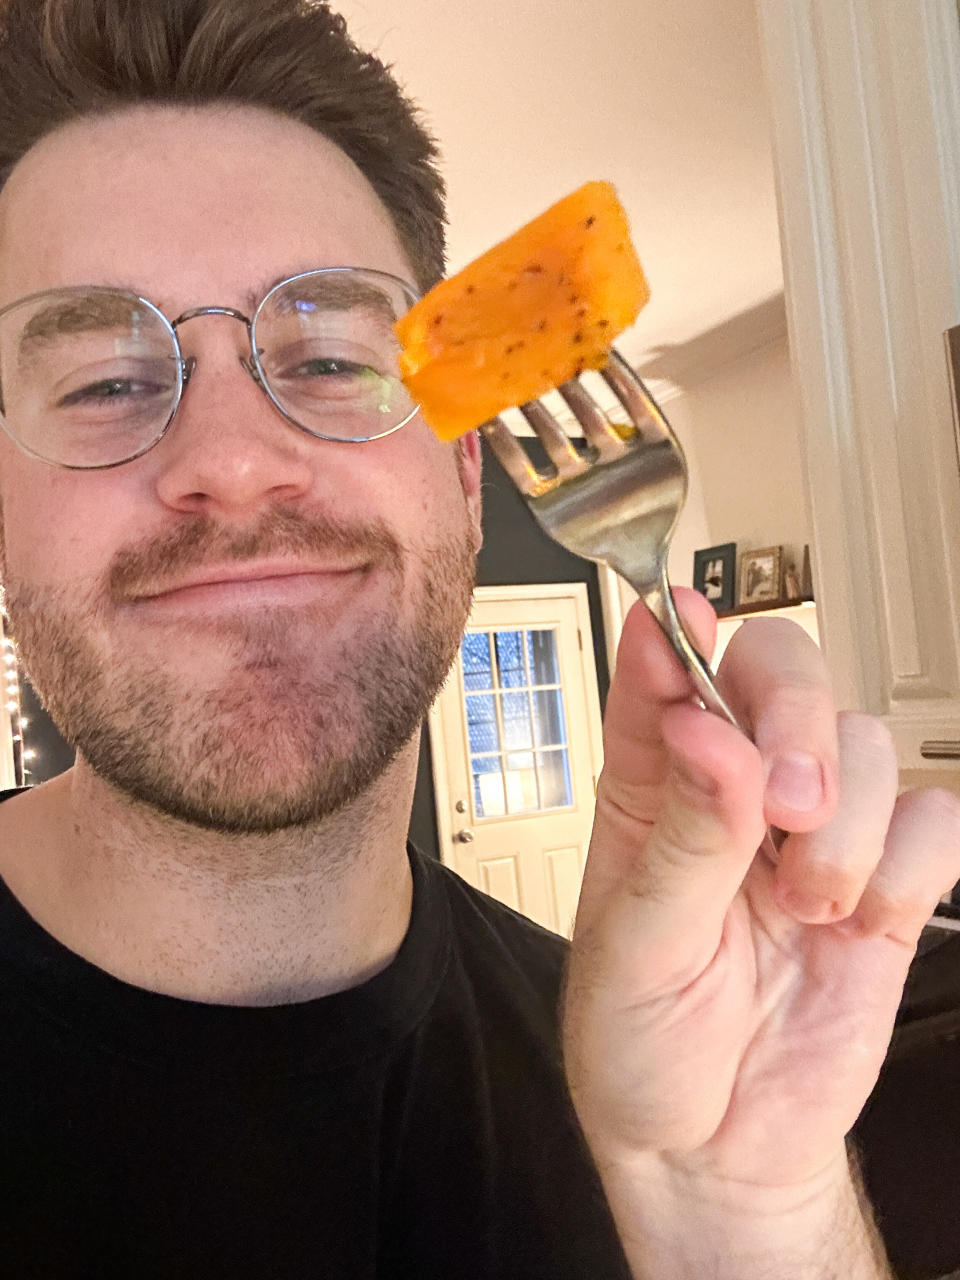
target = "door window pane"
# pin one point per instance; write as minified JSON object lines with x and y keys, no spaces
{"x":475,"y":653}
{"x":510,"y":664}
{"x":517,"y":721}
{"x":521,"y":779}
{"x":554,"y":770}
{"x":482,"y":722}
{"x":549,"y":728}
{"x":542,"y":653}
{"x":489,"y":799}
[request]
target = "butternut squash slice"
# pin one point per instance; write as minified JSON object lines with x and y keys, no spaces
{"x":534,"y":311}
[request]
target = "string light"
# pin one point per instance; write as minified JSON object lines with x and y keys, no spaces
{"x":18,"y":722}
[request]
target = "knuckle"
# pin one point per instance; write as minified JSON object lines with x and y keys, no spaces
{"x":886,"y":909}
{"x":796,"y":699}
{"x":937,"y":806}
{"x":739,"y":775}
{"x":867,"y":733}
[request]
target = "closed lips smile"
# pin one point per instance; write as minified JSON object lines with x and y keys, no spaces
{"x":241,"y":585}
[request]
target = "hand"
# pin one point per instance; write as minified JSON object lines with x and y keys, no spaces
{"x":726,"y":1017}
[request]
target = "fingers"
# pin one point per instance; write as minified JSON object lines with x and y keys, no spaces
{"x":655,"y":894}
{"x":776,"y":680}
{"x":920,"y":863}
{"x":822,"y":874}
{"x":679,"y":812}
{"x":880,"y":862}
{"x":648,"y":678}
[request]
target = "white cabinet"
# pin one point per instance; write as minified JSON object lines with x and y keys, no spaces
{"x":865,"y":106}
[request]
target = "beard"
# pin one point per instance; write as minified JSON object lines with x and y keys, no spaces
{"x":277,"y":738}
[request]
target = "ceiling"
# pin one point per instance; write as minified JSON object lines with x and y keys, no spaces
{"x":665,"y":98}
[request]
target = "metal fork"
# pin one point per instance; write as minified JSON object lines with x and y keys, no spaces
{"x":617,"y":505}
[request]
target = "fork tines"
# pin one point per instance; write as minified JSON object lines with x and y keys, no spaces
{"x":606,"y":441}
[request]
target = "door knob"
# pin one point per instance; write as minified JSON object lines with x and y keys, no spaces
{"x":465,"y":836}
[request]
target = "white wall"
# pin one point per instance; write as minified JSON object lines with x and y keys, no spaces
{"x":739,"y":427}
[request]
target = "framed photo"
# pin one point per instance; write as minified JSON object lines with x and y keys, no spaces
{"x":715,"y":574}
{"x":760,"y":575}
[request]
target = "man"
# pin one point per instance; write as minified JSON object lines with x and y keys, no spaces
{"x":247,"y":1033}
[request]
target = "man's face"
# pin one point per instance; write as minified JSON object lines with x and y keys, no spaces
{"x":243,"y":706}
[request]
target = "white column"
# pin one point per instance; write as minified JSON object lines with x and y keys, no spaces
{"x":865,"y":112}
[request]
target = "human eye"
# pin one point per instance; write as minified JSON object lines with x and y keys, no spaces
{"x":320,"y":376}
{"x":92,"y":395}
{"x":107,"y":389}
{"x":331,"y":367}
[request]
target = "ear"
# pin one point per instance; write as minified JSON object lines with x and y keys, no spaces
{"x":469,"y":467}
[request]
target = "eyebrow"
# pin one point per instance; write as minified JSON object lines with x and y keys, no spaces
{"x":94,"y":311}
{"x":81,"y":314}
{"x":336,"y":293}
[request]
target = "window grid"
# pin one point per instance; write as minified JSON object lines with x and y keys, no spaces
{"x":538,"y":751}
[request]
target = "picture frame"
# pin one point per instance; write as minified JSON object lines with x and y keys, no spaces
{"x":760,"y":576}
{"x":715,"y":575}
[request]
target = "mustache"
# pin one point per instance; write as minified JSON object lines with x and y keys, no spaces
{"x":161,"y":561}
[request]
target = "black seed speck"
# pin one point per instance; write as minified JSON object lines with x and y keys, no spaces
{"x":534,"y":269}
{"x":590,"y":221}
{"x":578,"y":336}
{"x":581,"y":312}
{"x":581,"y":365}
{"x":603,"y":324}
{"x":542,"y":326}
{"x":438,"y":317}
{"x":470,"y":289}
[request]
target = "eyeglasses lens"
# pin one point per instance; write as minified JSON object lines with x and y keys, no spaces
{"x":89,"y":377}
{"x":328,"y":355}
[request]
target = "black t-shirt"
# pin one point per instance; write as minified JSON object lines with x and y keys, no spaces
{"x":415,"y":1126}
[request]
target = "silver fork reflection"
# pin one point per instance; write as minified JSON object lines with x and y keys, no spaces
{"x":619,"y":502}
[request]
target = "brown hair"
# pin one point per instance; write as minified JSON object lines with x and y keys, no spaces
{"x":64,"y":59}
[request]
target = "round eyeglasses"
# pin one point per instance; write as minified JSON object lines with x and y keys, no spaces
{"x":93,"y":376}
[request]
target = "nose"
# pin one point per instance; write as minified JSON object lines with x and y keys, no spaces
{"x":229,"y":451}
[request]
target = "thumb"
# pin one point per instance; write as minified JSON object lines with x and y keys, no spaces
{"x":660,"y":877}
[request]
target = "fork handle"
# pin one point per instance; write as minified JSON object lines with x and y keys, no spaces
{"x":659,"y":600}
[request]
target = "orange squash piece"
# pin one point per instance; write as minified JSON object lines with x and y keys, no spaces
{"x":532,"y":312}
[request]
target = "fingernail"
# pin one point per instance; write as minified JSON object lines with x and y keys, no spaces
{"x":796,"y":780}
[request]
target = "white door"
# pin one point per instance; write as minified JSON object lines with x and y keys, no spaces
{"x":516,"y":741}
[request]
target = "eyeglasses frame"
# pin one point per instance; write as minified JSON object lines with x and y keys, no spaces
{"x":187,"y":364}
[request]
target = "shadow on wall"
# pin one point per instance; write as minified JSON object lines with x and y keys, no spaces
{"x":684,"y":364}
